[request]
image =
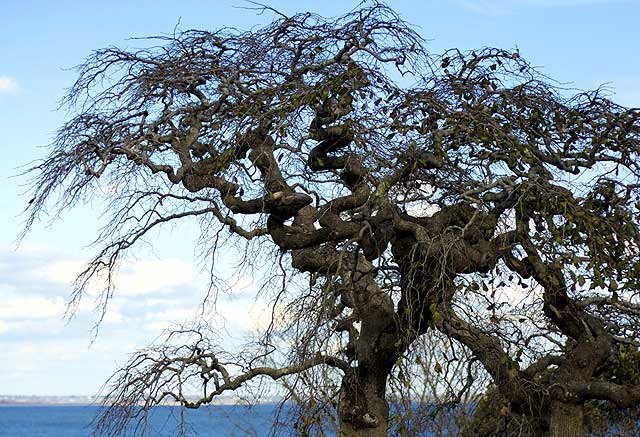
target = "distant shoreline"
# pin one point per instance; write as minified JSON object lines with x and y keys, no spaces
{"x":9,"y":400}
{"x":29,"y":404}
{"x":91,"y":401}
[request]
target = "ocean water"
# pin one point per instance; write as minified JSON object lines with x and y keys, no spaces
{"x":207,"y":421}
{"x":75,"y":421}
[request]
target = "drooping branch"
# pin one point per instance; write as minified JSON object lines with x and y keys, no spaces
{"x":191,"y":375}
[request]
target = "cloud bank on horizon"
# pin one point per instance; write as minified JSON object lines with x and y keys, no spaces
{"x":45,"y":354}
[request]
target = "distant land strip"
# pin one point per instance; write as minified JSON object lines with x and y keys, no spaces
{"x":97,"y":400}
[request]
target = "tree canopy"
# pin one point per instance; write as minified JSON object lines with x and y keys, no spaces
{"x":464,"y":194}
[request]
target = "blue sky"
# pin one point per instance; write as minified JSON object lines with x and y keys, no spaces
{"x":584,"y":43}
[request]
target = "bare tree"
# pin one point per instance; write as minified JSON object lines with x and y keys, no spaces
{"x":408,"y":207}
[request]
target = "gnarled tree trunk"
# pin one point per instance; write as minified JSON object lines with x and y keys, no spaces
{"x":363,"y":410}
{"x":567,"y":419}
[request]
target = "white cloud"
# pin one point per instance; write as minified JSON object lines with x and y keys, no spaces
{"x":152,"y":295}
{"x":8,"y":85}
{"x":113,"y":315}
{"x":134,"y":279}
{"x":154,"y":276}
{"x":515,"y":294}
{"x":247,"y":314}
{"x":421,"y":209}
{"x":171,"y":315}
{"x":162,"y":301}
{"x":62,"y":272}
{"x":30,"y":307}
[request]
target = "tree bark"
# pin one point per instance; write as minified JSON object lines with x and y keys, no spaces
{"x":567,"y":420}
{"x":363,"y":409}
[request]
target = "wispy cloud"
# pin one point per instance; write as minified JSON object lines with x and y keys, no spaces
{"x":8,"y":85}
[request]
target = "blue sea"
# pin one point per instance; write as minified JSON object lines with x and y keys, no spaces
{"x":75,"y":421}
